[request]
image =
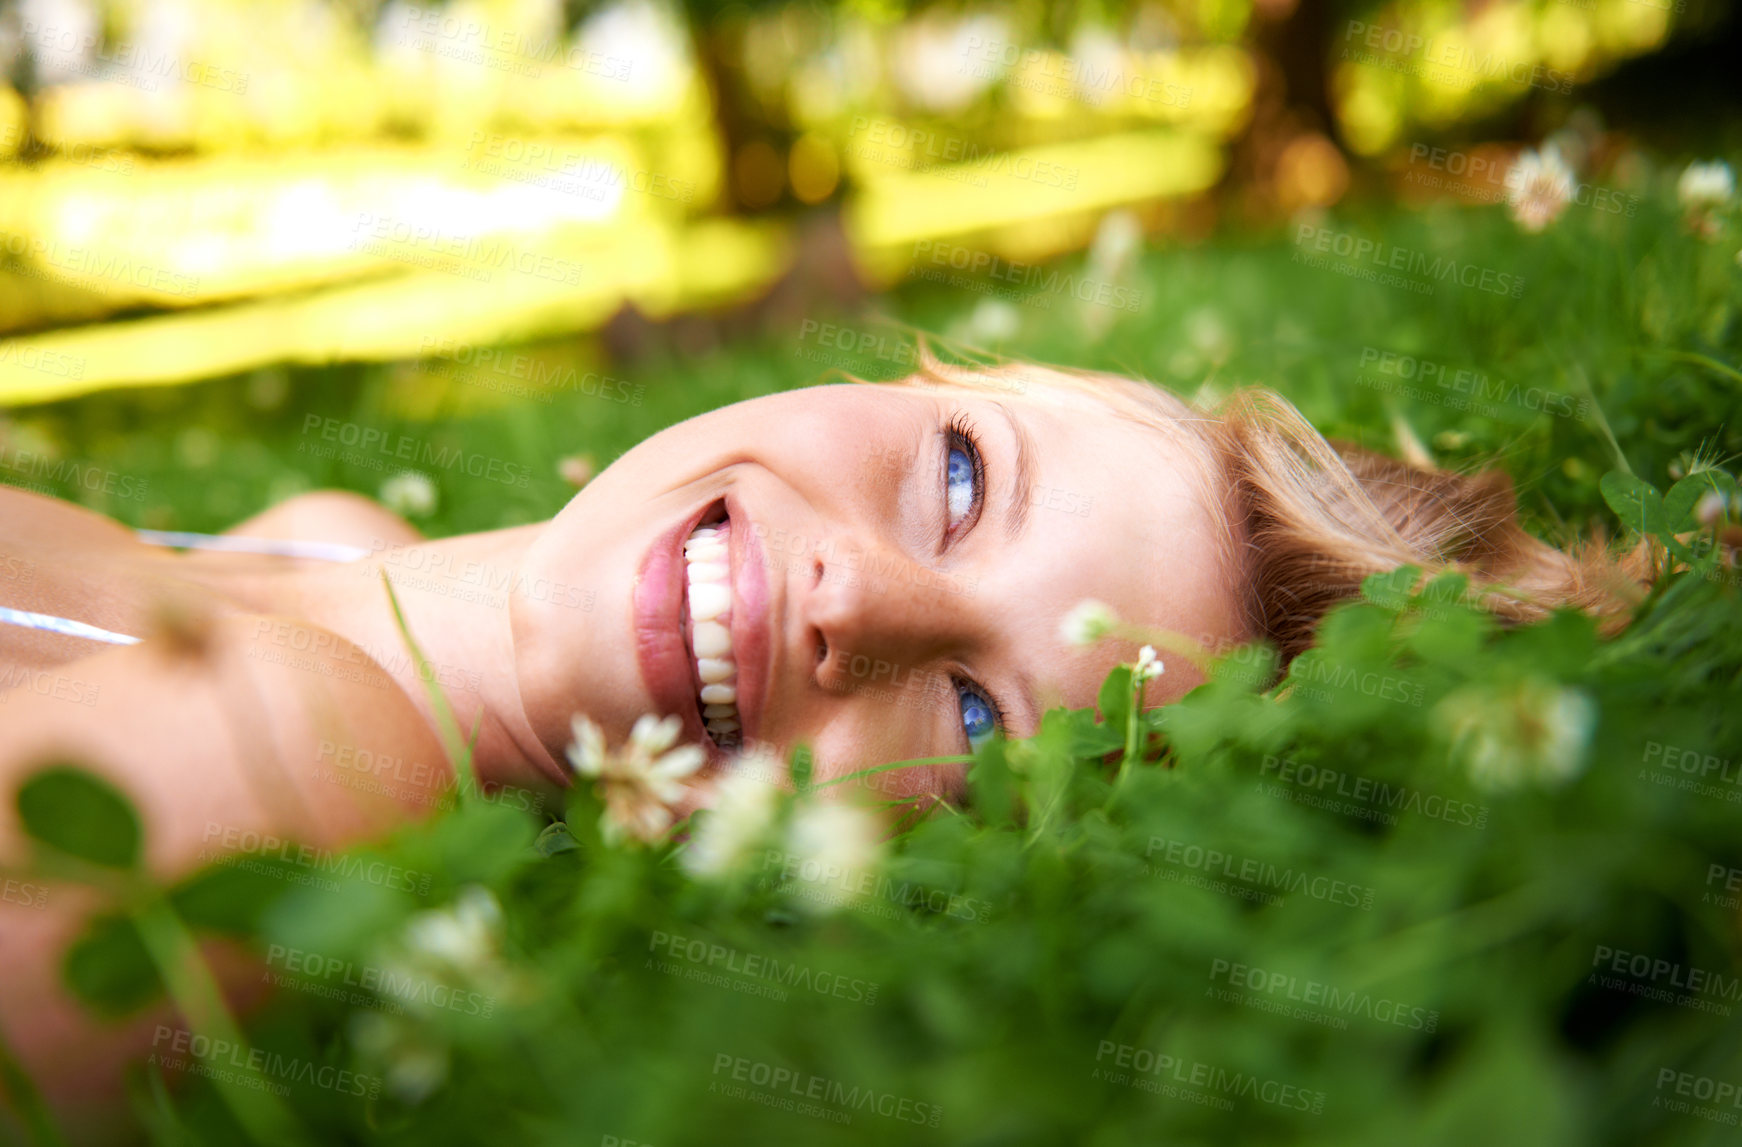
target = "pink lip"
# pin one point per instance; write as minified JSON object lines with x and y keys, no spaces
{"x":661,"y":648}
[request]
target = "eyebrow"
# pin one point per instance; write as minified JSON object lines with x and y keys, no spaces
{"x":1015,"y":521}
{"x":1022,"y":479}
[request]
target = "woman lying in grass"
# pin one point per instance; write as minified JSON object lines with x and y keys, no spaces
{"x":880,"y":572}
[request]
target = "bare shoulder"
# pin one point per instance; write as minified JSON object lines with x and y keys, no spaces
{"x":248,"y":718}
{"x":37,"y":522}
{"x":235,"y":740}
{"x":331,"y":516}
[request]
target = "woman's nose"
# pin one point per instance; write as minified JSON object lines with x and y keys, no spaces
{"x":874,"y":600}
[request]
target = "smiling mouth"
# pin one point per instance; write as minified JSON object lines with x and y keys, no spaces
{"x":706,"y":623}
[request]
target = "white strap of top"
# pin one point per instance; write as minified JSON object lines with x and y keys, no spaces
{"x":64,"y":625}
{"x":229,"y":543}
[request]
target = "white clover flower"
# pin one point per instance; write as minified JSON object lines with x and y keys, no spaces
{"x":416,"y":1071}
{"x":587,"y":752}
{"x":416,"y":1060}
{"x":1704,"y":186}
{"x":742,"y":813}
{"x":463,"y":937}
{"x":1209,"y":335}
{"x":409,"y":494}
{"x":577,"y":469}
{"x":1087,"y":622}
{"x":833,"y":845}
{"x":1563,"y":726}
{"x":1148,"y":664}
{"x":459,"y":946}
{"x":1533,"y":733}
{"x":1539,"y":186}
{"x":642,"y":781}
{"x":994,"y":321}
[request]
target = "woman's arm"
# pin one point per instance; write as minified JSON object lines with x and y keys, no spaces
{"x":247,"y":727}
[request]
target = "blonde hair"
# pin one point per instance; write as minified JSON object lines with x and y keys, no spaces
{"x":1307,"y":520}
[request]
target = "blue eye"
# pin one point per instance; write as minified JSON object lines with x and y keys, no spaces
{"x":959,"y":485}
{"x":979,"y":716}
{"x":964,"y":477}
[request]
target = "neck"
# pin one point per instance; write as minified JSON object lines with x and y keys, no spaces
{"x":455,"y":595}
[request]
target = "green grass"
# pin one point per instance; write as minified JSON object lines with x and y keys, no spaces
{"x":1384,"y":906}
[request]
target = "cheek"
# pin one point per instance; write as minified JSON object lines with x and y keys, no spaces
{"x":1181,"y":678}
{"x":879,"y":734}
{"x":945,"y":782}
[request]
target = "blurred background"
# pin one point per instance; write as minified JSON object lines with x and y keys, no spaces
{"x":218,"y":217}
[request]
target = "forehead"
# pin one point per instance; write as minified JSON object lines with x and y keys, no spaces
{"x":1124,"y":513}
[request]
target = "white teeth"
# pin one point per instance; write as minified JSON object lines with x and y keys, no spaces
{"x":710,"y":572}
{"x":711,"y":639}
{"x":709,"y":601}
{"x":709,"y":582}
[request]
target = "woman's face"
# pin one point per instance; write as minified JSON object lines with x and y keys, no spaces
{"x":889,"y":571}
